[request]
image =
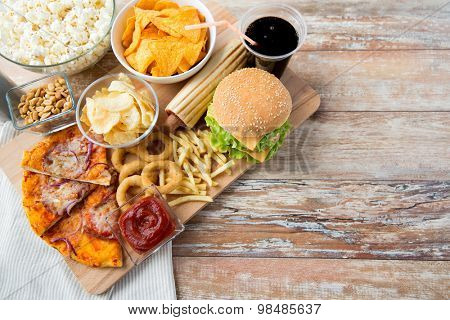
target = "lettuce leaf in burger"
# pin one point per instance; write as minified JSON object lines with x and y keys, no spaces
{"x":248,"y":116}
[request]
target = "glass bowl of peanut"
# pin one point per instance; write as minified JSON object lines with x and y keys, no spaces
{"x":42,"y":106}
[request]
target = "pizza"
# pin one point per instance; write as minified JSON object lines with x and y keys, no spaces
{"x":69,"y":155}
{"x":69,"y":239}
{"x":99,"y":213}
{"x":69,"y":198}
{"x":47,"y":200}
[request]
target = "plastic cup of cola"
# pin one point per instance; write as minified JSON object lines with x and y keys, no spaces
{"x":279,"y":30}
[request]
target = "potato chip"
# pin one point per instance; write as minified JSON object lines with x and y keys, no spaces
{"x":115,"y":102}
{"x":127,"y":36}
{"x":138,"y":95}
{"x":131,"y":118}
{"x":90,"y":108}
{"x":120,"y":113}
{"x":103,"y":121}
{"x":84,"y":118}
{"x":119,"y":137}
{"x":165,"y":4}
{"x":146,"y":4}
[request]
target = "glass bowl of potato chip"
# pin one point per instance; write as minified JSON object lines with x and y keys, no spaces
{"x":150,"y":40}
{"x":117,"y":111}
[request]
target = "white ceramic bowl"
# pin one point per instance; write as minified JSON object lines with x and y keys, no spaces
{"x":119,"y":27}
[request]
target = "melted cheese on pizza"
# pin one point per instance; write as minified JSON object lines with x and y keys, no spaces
{"x":101,"y":219}
{"x":46,"y":200}
{"x":70,"y":158}
{"x":69,"y":239}
{"x":59,"y":196}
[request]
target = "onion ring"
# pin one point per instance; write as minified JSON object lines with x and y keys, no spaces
{"x":127,"y":183}
{"x":117,"y":158}
{"x":175,"y":174}
{"x":142,"y":152}
{"x":130,"y":168}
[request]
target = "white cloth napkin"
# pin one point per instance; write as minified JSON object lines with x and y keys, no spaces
{"x":29,"y":269}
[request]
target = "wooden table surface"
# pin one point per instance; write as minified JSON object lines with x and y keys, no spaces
{"x":357,"y":202}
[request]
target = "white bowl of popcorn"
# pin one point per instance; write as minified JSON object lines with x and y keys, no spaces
{"x":50,"y":36}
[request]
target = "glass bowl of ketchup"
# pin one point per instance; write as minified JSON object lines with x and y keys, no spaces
{"x":145,"y":224}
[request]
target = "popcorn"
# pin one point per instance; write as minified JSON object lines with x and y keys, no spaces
{"x":56,"y":31}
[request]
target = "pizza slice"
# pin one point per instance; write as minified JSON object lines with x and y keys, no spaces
{"x":67,"y":154}
{"x":47,"y":200}
{"x":99,"y":213}
{"x":69,"y":239}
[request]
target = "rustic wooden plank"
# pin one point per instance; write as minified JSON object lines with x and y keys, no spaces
{"x":413,"y":80}
{"x":368,"y":25}
{"x":364,"y":146}
{"x":358,"y":81}
{"x":323,"y":219}
{"x":247,"y":278}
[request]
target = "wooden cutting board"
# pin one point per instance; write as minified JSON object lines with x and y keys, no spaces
{"x":96,"y":281}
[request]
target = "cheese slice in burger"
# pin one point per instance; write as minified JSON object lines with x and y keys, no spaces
{"x":248,"y":116}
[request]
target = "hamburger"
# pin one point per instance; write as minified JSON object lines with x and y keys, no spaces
{"x":248,"y":116}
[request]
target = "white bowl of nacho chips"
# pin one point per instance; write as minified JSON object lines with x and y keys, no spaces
{"x":162,"y":51}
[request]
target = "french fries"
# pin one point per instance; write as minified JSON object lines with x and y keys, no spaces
{"x":189,"y":199}
{"x":194,"y":154}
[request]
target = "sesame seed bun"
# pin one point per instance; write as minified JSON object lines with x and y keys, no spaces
{"x":251,"y":103}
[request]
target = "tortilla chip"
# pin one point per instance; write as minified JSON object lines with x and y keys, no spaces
{"x":150,"y":32}
{"x":174,"y":25}
{"x":146,"y":4}
{"x":144,"y":55}
{"x":158,"y":43}
{"x":201,"y":56}
{"x":165,"y":4}
{"x":127,"y":36}
{"x":201,"y":17}
{"x":192,"y":51}
{"x":183,"y":66}
{"x":131,"y":59}
{"x":162,"y":34}
{"x":168,"y":54}
{"x":143,"y":18}
{"x":168,"y":12}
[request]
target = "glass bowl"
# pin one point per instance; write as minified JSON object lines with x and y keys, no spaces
{"x":135,"y":256}
{"x":104,"y":82}
{"x":47,"y":126}
{"x":78,"y":62}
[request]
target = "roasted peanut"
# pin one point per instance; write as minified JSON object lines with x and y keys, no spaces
{"x":43,"y":102}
